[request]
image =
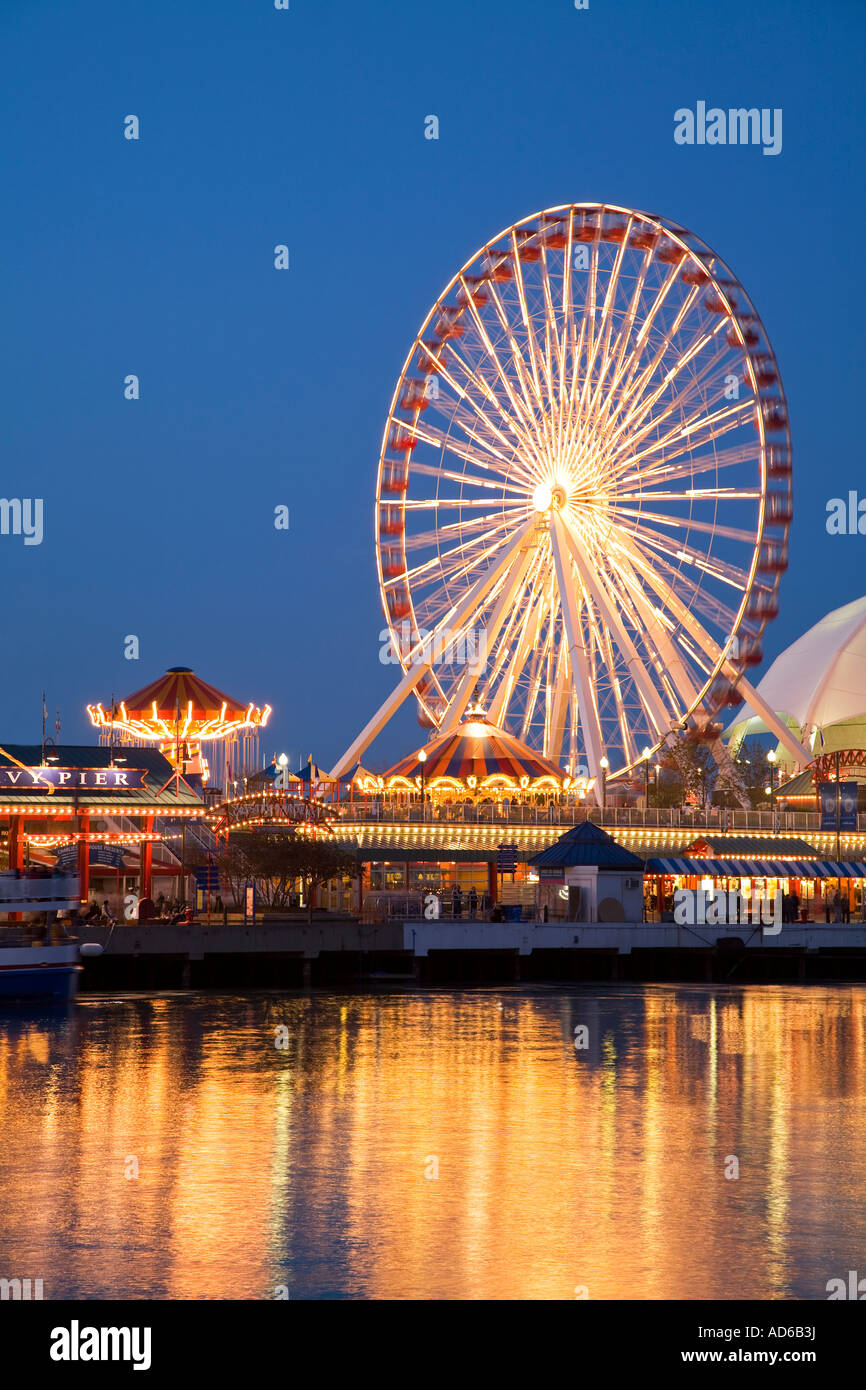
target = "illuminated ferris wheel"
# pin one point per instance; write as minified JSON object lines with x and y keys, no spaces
{"x":586,"y":475}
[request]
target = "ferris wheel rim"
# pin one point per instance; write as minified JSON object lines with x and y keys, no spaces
{"x":739,"y":309}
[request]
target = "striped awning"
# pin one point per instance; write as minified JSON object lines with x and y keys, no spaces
{"x":477,"y":748}
{"x":758,"y":868}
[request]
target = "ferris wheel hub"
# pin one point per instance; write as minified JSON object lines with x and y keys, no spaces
{"x":549,"y":496}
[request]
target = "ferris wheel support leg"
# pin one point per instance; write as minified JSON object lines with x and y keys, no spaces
{"x":469,"y":679}
{"x":375,"y":725}
{"x":578,"y":658}
{"x":659,"y":714}
{"x":454,"y":619}
{"x":777,"y":726}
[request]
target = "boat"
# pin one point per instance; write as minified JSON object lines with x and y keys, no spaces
{"x":48,"y":974}
{"x":38,"y":961}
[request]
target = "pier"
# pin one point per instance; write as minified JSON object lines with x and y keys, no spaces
{"x":335,"y":952}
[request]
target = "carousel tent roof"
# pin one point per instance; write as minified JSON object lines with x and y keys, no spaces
{"x":179,"y":699}
{"x":820,"y":680}
{"x":480,"y":749}
{"x":586,"y":844}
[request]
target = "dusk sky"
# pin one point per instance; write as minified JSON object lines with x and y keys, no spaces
{"x":261,"y":387}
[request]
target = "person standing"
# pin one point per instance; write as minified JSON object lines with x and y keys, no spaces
{"x":456,"y":901}
{"x":473,"y":902}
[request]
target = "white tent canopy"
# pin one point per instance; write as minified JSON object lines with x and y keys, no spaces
{"x":820,"y":680}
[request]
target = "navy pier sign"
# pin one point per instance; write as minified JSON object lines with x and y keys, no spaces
{"x":95,"y":779}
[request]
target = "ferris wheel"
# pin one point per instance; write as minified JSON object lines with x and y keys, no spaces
{"x":584,"y":490}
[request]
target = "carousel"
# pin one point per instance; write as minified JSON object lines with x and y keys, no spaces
{"x":476,"y":762}
{"x":187,"y":718}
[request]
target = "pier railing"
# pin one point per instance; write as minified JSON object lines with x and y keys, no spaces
{"x":714,"y":820}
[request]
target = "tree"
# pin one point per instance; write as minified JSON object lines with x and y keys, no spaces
{"x":755,"y":771}
{"x":688,"y":770}
{"x":275,"y":863}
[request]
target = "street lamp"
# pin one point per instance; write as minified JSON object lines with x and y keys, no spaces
{"x":283,"y":762}
{"x":422,"y":758}
{"x":604,"y":767}
{"x":647,"y":752}
{"x":771,"y":759}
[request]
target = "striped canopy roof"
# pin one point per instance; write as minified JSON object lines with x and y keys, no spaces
{"x":179,"y":703}
{"x":477,"y":748}
{"x":758,"y":868}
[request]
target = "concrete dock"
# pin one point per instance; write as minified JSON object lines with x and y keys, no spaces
{"x":342,"y":951}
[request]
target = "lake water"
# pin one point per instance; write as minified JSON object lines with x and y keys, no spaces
{"x":437,"y":1144}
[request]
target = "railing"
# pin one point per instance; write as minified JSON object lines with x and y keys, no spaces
{"x":714,"y":821}
{"x":30,"y":892}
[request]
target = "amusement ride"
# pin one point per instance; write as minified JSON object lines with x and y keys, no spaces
{"x":584,"y":495}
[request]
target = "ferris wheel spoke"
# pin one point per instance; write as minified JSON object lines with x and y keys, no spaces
{"x":513,"y":663}
{"x":669,"y":281}
{"x":433,"y":470}
{"x":592,"y":579}
{"x":650,"y":622}
{"x":558,"y":708}
{"x":511,"y":584}
{"x":535,"y":680}
{"x":635,"y":388}
{"x":577,"y":655}
{"x":532,"y":402}
{"x":691,"y":402}
{"x":658,"y":547}
{"x":687,"y":524}
{"x":702,"y":432}
{"x":521,"y":434}
{"x":480,"y":453}
{"x":622,"y":340}
{"x":696,"y":464}
{"x":667,"y":582}
{"x":635,"y":424}
{"x":521,"y":409}
{"x":634,"y":416}
{"x":527,"y":322}
{"x":696,"y":494}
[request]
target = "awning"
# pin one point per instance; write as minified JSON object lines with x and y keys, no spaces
{"x":758,"y":868}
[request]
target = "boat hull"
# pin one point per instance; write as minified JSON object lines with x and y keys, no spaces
{"x":45,"y":973}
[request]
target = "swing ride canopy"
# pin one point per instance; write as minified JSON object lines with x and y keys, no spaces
{"x":179,"y":705}
{"x":477,"y":757}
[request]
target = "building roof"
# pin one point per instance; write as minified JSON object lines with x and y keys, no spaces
{"x":477,"y":748}
{"x":753,"y":847}
{"x":820,"y":680}
{"x":586,"y":844}
{"x":155,"y":795}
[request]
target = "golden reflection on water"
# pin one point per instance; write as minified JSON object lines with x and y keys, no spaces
{"x":311,"y":1167}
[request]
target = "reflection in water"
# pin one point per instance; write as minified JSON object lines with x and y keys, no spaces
{"x":310,"y":1165}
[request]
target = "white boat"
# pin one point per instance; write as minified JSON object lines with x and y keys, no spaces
{"x":32,"y":968}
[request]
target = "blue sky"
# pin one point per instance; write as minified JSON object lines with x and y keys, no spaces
{"x":306,"y":127}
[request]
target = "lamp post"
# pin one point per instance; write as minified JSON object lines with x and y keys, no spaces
{"x":283,"y":763}
{"x":646,"y":758}
{"x":604,"y":767}
{"x":771,"y":759}
{"x":422,"y":758}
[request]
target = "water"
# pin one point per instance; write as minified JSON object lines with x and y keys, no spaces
{"x":311,"y":1168}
